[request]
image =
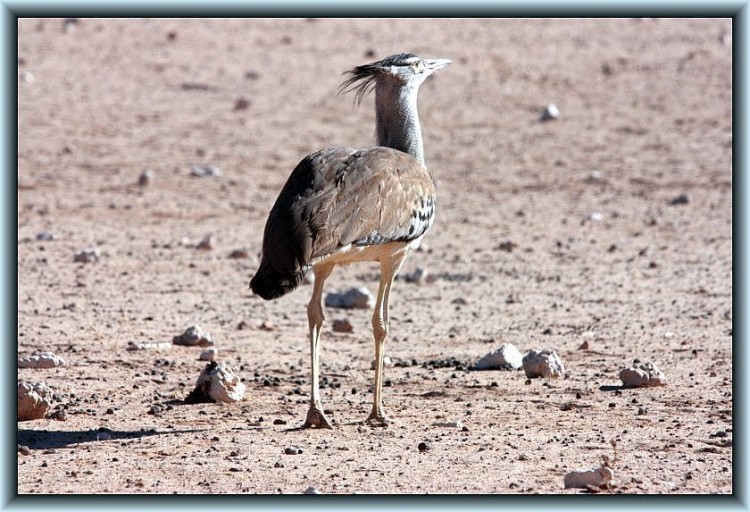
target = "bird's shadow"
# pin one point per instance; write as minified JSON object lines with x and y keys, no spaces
{"x":52,"y":439}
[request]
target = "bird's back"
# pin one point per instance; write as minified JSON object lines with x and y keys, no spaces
{"x":337,"y":198}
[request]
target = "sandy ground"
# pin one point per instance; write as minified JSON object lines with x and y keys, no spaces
{"x":563,"y":234}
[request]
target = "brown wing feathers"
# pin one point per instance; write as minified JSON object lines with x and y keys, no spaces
{"x":338,"y":197}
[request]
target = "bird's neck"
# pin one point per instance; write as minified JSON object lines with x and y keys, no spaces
{"x":397,"y":119}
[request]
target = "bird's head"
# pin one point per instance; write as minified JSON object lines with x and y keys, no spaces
{"x":403,"y":68}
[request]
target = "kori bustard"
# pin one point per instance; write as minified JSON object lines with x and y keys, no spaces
{"x":342,"y":205}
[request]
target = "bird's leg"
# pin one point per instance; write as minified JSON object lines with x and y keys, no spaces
{"x":315,"y":417}
{"x":388,"y":270}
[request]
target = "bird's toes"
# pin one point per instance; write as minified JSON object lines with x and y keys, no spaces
{"x":316,"y":419}
{"x":378,"y":421}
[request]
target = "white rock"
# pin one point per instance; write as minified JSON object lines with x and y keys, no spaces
{"x":507,"y":357}
{"x":595,"y":216}
{"x":312,"y":490}
{"x":34,"y":401}
{"x":643,"y":375}
{"x":42,"y":360}
{"x":147,"y":345}
{"x":543,"y":363}
{"x":354,"y":298}
{"x":598,"y":477}
{"x":550,"y":112}
{"x":449,"y":424}
{"x":146,"y":177}
{"x":87,"y":255}
{"x":387,"y":361}
{"x":219,"y":383}
{"x":193,"y":336}
{"x":204,"y":171}
{"x":209,"y":354}
{"x":46,"y":236}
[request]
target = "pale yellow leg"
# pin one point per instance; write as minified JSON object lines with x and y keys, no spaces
{"x":388,"y":270}
{"x":316,"y":318}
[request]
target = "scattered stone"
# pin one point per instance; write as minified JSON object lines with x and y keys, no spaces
{"x":206,"y":244}
{"x":156,"y":409}
{"x":342,"y":325}
{"x":26,"y":76}
{"x":241,"y":104}
{"x":60,"y":414}
{"x":23,"y":449}
{"x":449,"y":424}
{"x":642,"y":375}
{"x":146,"y":177}
{"x":34,"y":401}
{"x":41,"y":360}
{"x":209,"y":354}
{"x":584,"y":345}
{"x":194,"y":336}
{"x":217,"y":383}
{"x":543,"y":363}
{"x":550,"y":112}
{"x":419,"y":276}
{"x":681,"y":199}
{"x":506,"y":246}
{"x":278,"y":464}
{"x":507,"y":357}
{"x":592,"y":478}
{"x":354,"y":298}
{"x":293,"y":450}
{"x":312,"y":490}
{"x":46,"y":236}
{"x":594,"y":177}
{"x":239,"y":254}
{"x":147,"y":345}
{"x":424,"y":447}
{"x":595,"y":217}
{"x":205,"y":171}
{"x":387,"y":362}
{"x":88,"y":255}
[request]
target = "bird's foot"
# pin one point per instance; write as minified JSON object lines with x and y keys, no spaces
{"x":378,"y":420}
{"x":316,"y":419}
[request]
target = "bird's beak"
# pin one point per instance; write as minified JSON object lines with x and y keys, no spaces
{"x":436,"y":64}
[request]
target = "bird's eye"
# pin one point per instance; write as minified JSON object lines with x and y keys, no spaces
{"x":418,"y":66}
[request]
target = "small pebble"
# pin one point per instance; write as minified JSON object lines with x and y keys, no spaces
{"x":46,"y":236}
{"x":312,"y":490}
{"x":342,"y":325}
{"x":550,"y":112}
{"x":41,"y":360}
{"x":424,"y":447}
{"x":209,"y":354}
{"x":241,"y":104}
{"x":207,"y":243}
{"x":207,"y":171}
{"x":293,"y":450}
{"x":239,"y":254}
{"x":354,"y":298}
{"x":507,"y":357}
{"x":449,"y":424}
{"x":88,"y":255}
{"x":681,"y":199}
{"x":146,"y":177}
{"x":192,"y":336}
{"x":24,"y":450}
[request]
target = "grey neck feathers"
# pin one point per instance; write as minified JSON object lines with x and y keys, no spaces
{"x":397,"y":119}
